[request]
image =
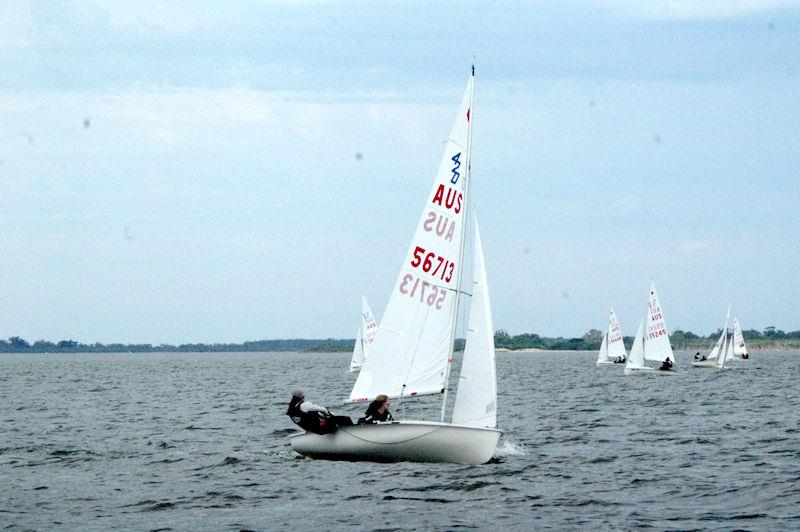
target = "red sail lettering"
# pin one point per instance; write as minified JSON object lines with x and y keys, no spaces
{"x":452,"y":200}
{"x":437,"y":198}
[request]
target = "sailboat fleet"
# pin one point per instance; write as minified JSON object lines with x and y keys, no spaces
{"x":652,"y":344}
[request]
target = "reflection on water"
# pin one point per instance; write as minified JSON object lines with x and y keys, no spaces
{"x":200,"y":441}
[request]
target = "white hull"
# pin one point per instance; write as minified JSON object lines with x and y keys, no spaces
{"x":706,"y":364}
{"x":650,"y":371}
{"x":604,"y":362}
{"x":413,"y":441}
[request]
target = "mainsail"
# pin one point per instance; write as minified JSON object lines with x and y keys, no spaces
{"x":656,"y":341}
{"x":616,"y":347}
{"x":476,"y":402}
{"x":739,"y":348}
{"x":414,"y":343}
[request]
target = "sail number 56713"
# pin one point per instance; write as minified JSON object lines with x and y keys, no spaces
{"x":433,"y":264}
{"x":415,"y":287}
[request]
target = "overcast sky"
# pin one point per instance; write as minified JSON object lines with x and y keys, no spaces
{"x":210,"y":171}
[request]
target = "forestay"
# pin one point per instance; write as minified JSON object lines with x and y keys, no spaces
{"x":656,"y":341}
{"x":476,"y":402}
{"x":414,"y":341}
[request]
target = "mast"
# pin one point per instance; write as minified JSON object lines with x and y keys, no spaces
{"x":470,"y":116}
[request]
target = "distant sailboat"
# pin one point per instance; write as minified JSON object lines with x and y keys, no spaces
{"x":365,"y":336}
{"x":716,"y":358}
{"x":739,"y":348}
{"x":602,"y":354}
{"x":635,"y":362}
{"x":656,"y":346}
{"x":612,"y":347}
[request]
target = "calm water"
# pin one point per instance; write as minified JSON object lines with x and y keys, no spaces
{"x":198,"y":441}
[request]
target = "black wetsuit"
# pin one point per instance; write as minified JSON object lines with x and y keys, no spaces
{"x":316,"y":422}
{"x":373,"y":416}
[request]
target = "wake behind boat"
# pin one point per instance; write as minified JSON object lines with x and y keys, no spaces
{"x":413,"y":347}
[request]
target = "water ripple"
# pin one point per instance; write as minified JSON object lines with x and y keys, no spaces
{"x":200,"y":441}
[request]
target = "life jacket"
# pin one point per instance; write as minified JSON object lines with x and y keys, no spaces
{"x":310,"y":421}
{"x":373,"y":416}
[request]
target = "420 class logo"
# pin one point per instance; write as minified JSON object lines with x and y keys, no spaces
{"x":457,"y":160}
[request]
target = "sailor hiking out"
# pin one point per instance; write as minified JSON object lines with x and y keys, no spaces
{"x":313,"y":418}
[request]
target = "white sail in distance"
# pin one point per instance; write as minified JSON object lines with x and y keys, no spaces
{"x":616,"y":347}
{"x":739,"y":347}
{"x":715,"y":351}
{"x":476,"y":402}
{"x":413,"y":345}
{"x":726,"y":352}
{"x":357,"y":360}
{"x":602,"y":354}
{"x":636,"y":357}
{"x":365,"y":337}
{"x":656,"y":340}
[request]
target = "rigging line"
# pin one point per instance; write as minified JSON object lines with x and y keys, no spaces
{"x":456,"y":290}
{"x":344,"y":429}
{"x":413,"y":356}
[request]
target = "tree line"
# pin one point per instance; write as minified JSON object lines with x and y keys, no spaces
{"x":15,"y":344}
{"x":770,"y":337}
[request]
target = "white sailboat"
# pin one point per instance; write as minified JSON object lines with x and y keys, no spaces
{"x":716,"y":358}
{"x":635,"y":362}
{"x":739,"y":347}
{"x":413,"y":348}
{"x":365,"y":336}
{"x":602,"y":354}
{"x":612,"y":347}
{"x":656,"y":346}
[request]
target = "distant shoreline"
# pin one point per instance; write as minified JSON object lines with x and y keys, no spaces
{"x":770,"y":339}
{"x":499,"y":350}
